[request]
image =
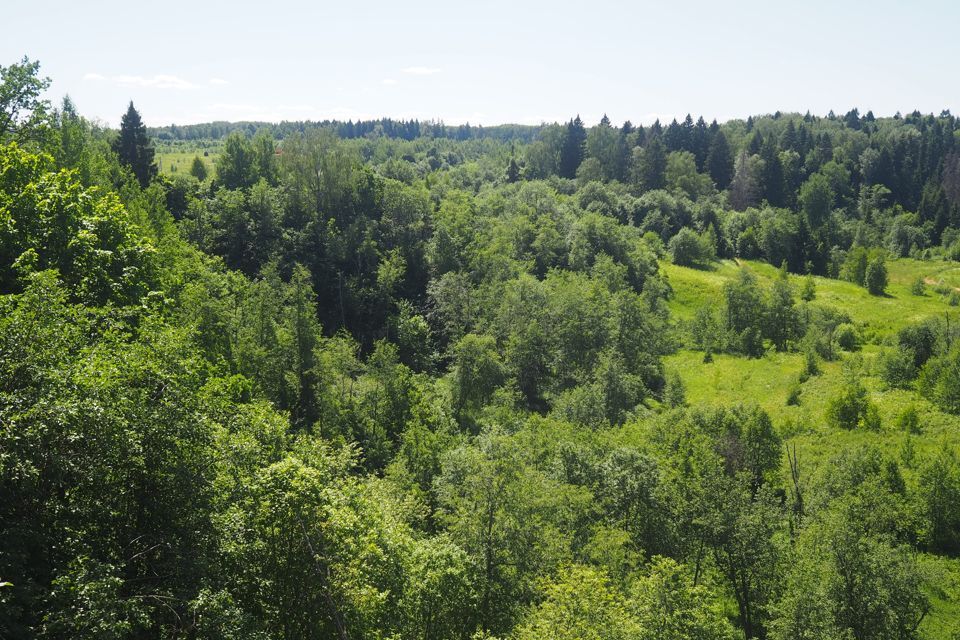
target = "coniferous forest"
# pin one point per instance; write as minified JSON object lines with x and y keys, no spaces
{"x":411,"y":380}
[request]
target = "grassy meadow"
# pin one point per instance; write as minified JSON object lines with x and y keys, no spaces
{"x":177,"y":159}
{"x":768,"y":381}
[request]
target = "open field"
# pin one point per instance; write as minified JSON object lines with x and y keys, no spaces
{"x":767,"y":381}
{"x":177,"y":158}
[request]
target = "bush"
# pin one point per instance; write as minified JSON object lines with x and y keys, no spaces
{"x":811,"y":366}
{"x":875,"y":278}
{"x":793,"y":395}
{"x":674,"y":391}
{"x":909,"y":420}
{"x":897,"y":369}
{"x":809,"y":290}
{"x":940,"y":381}
{"x":852,"y":408}
{"x":919,"y":287}
{"x":846,"y":336}
{"x":854,"y":267}
{"x":688,"y":249}
{"x":920,"y":341}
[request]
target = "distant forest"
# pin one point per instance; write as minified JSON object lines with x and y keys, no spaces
{"x":402,"y":129}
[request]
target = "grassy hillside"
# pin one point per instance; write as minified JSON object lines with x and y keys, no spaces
{"x":767,"y":381}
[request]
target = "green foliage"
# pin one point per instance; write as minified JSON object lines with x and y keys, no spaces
{"x":198,"y":169}
{"x":897,"y":368}
{"x":134,"y":147}
{"x":816,"y":200}
{"x":919,"y":287}
{"x":851,"y":581}
{"x":573,"y":149}
{"x":909,"y":420}
{"x":669,"y":605}
{"x":674,"y":392}
{"x":49,"y":221}
{"x":940,"y":381}
{"x":855,"y":265}
{"x":939,"y":490}
{"x":237,"y":165}
{"x":851,"y":408}
{"x":377,"y":387}
{"x":846,"y":336}
{"x":688,"y":249}
{"x":809,"y":291}
{"x":580,"y":604}
{"x":24,"y":115}
{"x":875,"y":276}
{"x":744,"y":315}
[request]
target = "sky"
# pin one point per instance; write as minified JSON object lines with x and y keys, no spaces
{"x":489,"y":62}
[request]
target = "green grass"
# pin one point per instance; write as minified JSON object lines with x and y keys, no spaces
{"x":879,"y":314}
{"x":179,"y":162}
{"x":766,"y":382}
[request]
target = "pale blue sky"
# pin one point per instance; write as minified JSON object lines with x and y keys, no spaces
{"x":488,"y":62}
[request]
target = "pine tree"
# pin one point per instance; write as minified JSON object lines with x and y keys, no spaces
{"x":513,"y":171}
{"x":198,"y":169}
{"x":573,"y":149}
{"x":788,"y":140}
{"x":700,"y":142}
{"x":772,"y":178}
{"x":134,"y":147}
{"x":720,"y":161}
{"x":625,"y":150}
{"x":651,"y":165}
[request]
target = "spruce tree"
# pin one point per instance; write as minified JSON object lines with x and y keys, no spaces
{"x":700,"y":142}
{"x":772,"y":178}
{"x":198,"y":169}
{"x":134,"y":148}
{"x":513,"y":171}
{"x":573,"y":149}
{"x":720,"y":161}
{"x":650,"y":171}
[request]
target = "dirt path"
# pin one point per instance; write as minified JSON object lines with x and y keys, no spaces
{"x":935,"y":283}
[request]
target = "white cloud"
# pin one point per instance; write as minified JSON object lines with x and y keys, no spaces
{"x":161,"y":81}
{"x":421,"y":71}
{"x":389,"y":81}
{"x":218,"y":81}
{"x":158,"y":82}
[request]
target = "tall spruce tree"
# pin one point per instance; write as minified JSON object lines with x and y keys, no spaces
{"x":134,"y":148}
{"x":651,"y":165}
{"x":720,"y":161}
{"x":573,"y":149}
{"x":772,"y":174}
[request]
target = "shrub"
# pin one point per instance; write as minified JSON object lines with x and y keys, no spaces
{"x":674,"y":391}
{"x":809,"y":290}
{"x":940,"y":381}
{"x":851,"y":408}
{"x":897,"y":368}
{"x":919,"y":287}
{"x":875,"y":277}
{"x":811,"y":366}
{"x":909,"y":420}
{"x":688,"y":249}
{"x":793,"y":395}
{"x":846,"y":336}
